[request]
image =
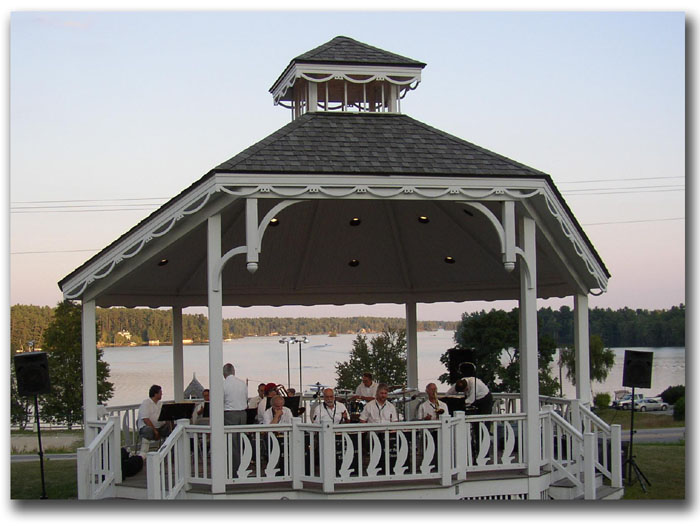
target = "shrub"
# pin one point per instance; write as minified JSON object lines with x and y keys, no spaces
{"x":679,"y":409}
{"x":671,"y":394}
{"x":602,"y":400}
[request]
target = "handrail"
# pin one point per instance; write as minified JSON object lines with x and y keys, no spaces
{"x":175,"y":454}
{"x":99,"y":463}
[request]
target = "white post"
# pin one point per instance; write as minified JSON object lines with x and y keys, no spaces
{"x":89,"y":368}
{"x":297,"y":452}
{"x":589,"y":446}
{"x":411,"y":350}
{"x":548,"y":433}
{"x":445,"y":453}
{"x":616,"y":456}
{"x":582,"y":351}
{"x":461,"y":445}
{"x":528,"y":351}
{"x":327,"y":457}
{"x":115,"y":446}
{"x":393,"y":97}
{"x":178,"y":369}
{"x":153,"y":489}
{"x":216,"y":358}
{"x":83,"y":466}
{"x":313,"y":97}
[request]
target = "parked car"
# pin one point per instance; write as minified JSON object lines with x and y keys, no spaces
{"x":626,"y":401}
{"x":650,"y":404}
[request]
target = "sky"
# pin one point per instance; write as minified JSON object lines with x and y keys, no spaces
{"x":113,"y":113}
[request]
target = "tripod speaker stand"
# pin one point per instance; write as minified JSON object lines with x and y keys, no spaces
{"x":636,"y":373}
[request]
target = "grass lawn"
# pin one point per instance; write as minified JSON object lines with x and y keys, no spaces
{"x":642,"y":420}
{"x":60,"y":478}
{"x":664,"y":466}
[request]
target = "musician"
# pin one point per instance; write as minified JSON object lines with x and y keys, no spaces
{"x":432,"y":408}
{"x":197,"y":417}
{"x":379,"y":410}
{"x":476,"y":392}
{"x":269,"y":391}
{"x":277,"y":413}
{"x":330,"y":410}
{"x":367,"y":389}
{"x":253,"y":401}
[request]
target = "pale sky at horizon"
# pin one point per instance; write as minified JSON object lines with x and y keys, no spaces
{"x":134,"y":105}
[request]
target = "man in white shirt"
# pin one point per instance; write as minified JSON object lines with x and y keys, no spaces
{"x":330,"y":410}
{"x":476,"y":392}
{"x":269,"y":390}
{"x":235,"y":397}
{"x":277,"y":413}
{"x":198,"y":417}
{"x":253,"y":401}
{"x":367,"y":390}
{"x":379,"y":410}
{"x":432,"y":408}
{"x":150,"y":428}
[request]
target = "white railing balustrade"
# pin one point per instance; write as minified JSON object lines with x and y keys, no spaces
{"x":495,"y":442}
{"x":608,"y":459}
{"x":99,"y":464}
{"x":168,"y":469}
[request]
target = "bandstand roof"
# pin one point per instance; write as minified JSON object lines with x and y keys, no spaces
{"x":314,"y":176}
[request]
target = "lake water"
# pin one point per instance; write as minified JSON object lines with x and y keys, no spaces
{"x":263,"y":359}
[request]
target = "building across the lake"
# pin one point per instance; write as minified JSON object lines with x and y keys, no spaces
{"x":354,"y":202}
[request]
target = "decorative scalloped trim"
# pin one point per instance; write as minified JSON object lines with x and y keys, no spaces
{"x":338,"y":192}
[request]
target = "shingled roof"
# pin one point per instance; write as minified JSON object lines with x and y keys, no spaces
{"x":349,"y":51}
{"x":369,"y":143}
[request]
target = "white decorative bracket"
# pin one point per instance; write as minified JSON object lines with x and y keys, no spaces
{"x":505,"y":228}
{"x":254,"y":236}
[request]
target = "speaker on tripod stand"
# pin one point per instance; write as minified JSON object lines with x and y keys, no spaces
{"x":32,"y":373}
{"x":636,"y":373}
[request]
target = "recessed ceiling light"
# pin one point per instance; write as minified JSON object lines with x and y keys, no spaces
{"x":423,"y":219}
{"x":355,"y":221}
{"x":274,"y":222}
{"x":162,"y":262}
{"x":450,"y":260}
{"x":354,"y":262}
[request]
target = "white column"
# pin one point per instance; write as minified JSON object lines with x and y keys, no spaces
{"x":582,"y":349}
{"x":411,"y":345}
{"x":89,"y":366}
{"x":529,"y":381}
{"x":411,"y":351}
{"x":216,"y":358}
{"x":178,"y":369}
{"x":313,"y":97}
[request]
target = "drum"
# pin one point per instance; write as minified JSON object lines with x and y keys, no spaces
{"x":355,"y":407}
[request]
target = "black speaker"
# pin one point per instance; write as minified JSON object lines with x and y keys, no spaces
{"x":637,"y":369}
{"x":32,"y":372}
{"x":461,"y":363}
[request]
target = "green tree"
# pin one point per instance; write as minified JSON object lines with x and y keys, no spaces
{"x":601,"y":360}
{"x":384,"y":357}
{"x":63,"y":345}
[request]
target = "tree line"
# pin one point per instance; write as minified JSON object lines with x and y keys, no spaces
{"x":121,"y":326}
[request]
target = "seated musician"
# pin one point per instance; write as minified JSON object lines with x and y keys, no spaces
{"x":277,"y":413}
{"x":330,"y":410}
{"x":432,"y":408}
{"x":197,"y":414}
{"x":253,"y":401}
{"x":150,"y":428}
{"x":476,"y":392}
{"x":367,"y":389}
{"x":269,"y":391}
{"x":379,"y":410}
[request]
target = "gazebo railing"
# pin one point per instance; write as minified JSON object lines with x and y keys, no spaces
{"x":99,"y":464}
{"x":168,"y":469}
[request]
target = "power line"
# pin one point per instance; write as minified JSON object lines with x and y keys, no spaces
{"x":623,"y":179}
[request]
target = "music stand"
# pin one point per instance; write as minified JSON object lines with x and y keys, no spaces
{"x":454,"y":403}
{"x":176,"y":411}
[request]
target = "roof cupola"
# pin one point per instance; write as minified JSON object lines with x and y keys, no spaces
{"x":346,"y":75}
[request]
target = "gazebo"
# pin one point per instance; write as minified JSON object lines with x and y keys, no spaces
{"x":354,"y":202}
